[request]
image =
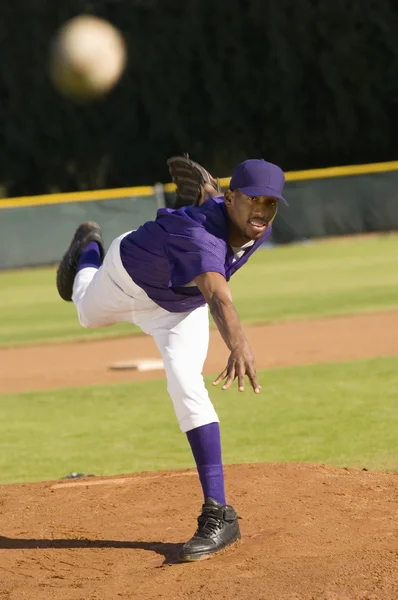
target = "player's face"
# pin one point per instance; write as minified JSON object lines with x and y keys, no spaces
{"x":249,"y":217}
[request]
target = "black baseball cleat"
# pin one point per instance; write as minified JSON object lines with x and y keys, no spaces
{"x":86,"y":232}
{"x":218,"y":528}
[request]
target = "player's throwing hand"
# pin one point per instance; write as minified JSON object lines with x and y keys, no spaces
{"x":240,"y":363}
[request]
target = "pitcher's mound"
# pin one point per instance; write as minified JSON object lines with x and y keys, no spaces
{"x":310,"y":532}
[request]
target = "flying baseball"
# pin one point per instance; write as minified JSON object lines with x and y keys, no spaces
{"x":87,"y":58}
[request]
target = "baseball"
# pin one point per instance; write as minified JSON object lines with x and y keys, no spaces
{"x":87,"y":58}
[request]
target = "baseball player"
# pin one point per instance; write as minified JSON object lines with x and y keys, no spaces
{"x":164,"y":277}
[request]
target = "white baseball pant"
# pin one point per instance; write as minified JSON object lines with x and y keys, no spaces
{"x":108,"y":295}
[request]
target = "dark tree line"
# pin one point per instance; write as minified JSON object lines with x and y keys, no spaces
{"x":304,"y":83}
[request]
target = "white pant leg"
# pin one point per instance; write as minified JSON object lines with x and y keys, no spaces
{"x":183,"y":340}
{"x":108,"y":295}
{"x":99,"y":299}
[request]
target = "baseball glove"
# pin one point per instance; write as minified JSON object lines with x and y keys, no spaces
{"x":190,"y":179}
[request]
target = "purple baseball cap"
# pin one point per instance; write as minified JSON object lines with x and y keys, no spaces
{"x":257,"y":177}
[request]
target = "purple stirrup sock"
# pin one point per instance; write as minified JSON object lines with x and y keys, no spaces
{"x":206,"y":448}
{"x":90,"y":257}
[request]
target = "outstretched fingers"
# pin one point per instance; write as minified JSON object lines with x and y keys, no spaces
{"x":230,"y":377}
{"x":228,"y":374}
{"x":221,"y":376}
{"x":253,"y":380}
{"x":231,"y":372}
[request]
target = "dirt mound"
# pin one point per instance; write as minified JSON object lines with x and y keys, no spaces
{"x":309,"y":533}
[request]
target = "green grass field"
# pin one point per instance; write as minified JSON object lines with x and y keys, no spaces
{"x":341,"y":414}
{"x":289,"y":282}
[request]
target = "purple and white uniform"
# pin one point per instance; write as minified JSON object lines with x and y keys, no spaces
{"x":147,"y":279}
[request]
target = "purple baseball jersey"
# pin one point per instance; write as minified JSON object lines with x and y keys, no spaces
{"x":164,"y":255}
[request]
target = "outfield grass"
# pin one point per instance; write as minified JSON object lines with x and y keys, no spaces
{"x":341,"y":414}
{"x":289,"y":282}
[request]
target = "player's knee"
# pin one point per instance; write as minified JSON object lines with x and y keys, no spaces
{"x":84,"y":321}
{"x":86,"y":324}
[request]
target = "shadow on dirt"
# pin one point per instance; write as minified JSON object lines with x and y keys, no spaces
{"x":170,"y":551}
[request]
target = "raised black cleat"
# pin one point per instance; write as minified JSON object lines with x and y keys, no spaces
{"x":86,"y":232}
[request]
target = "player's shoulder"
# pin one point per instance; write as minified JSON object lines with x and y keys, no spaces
{"x":210,"y":216}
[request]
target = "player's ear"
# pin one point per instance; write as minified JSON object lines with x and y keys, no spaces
{"x":228,"y":194}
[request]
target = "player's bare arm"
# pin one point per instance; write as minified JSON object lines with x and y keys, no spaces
{"x":217,"y":294}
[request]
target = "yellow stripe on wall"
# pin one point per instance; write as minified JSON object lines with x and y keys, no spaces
{"x":113,"y":194}
{"x":334,"y":172}
{"x":170,"y":187}
{"x":322,"y":173}
{"x":342,"y":171}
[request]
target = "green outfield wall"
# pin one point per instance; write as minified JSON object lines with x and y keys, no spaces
{"x":338,"y":206}
{"x":38,"y":235}
{"x":336,"y":201}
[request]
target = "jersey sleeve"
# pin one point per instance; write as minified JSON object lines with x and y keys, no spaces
{"x":193,"y":251}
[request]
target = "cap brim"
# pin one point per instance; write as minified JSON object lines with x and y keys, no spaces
{"x":263,"y":191}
